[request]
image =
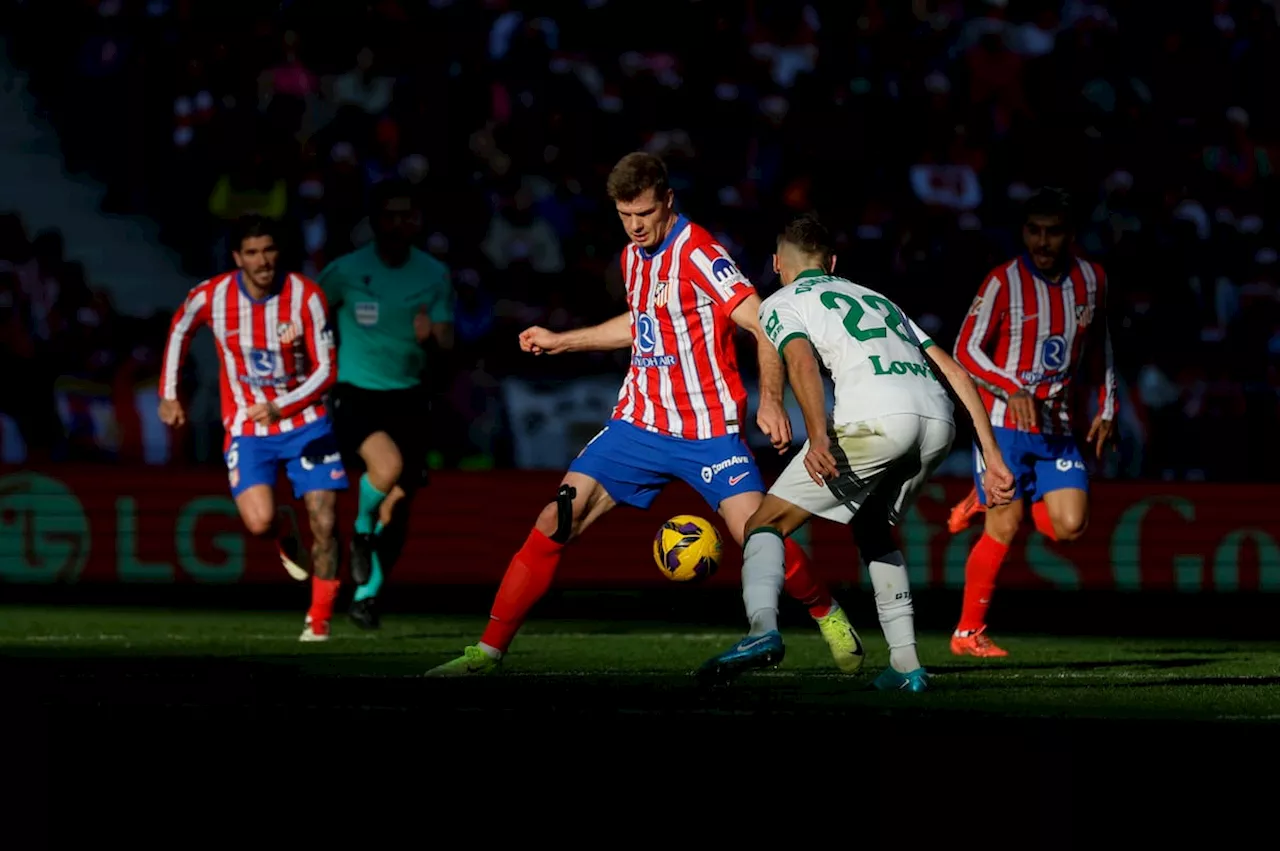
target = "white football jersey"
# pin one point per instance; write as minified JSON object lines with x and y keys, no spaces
{"x":874,"y":352}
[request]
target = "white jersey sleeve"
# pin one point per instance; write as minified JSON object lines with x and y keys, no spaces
{"x":781,"y":319}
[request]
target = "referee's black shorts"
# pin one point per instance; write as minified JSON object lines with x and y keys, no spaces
{"x":404,"y":415}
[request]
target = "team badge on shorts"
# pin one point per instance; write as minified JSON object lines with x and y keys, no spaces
{"x":234,"y":477}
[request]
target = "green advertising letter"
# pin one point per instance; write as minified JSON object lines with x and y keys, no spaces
{"x":1226,"y":561}
{"x":128,"y":567}
{"x":1126,"y":546}
{"x":229,"y":543}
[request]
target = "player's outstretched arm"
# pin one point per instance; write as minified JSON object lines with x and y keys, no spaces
{"x":189,"y":316}
{"x":608,"y":336}
{"x":772,"y":417}
{"x":999,"y":480}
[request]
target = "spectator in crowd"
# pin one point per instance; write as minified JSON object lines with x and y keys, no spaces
{"x":913,"y":127}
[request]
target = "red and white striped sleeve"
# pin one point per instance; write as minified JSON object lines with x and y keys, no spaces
{"x":984,"y":321}
{"x":190,"y":315}
{"x":714,"y":273}
{"x":320,"y":351}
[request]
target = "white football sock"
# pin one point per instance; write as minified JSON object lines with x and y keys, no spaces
{"x":763,"y":572}
{"x":893,"y":604}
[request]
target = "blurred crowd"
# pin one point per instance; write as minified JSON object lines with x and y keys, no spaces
{"x":913,"y":126}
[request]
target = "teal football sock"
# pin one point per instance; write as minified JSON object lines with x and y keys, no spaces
{"x":374,"y":585}
{"x":367,"y":508}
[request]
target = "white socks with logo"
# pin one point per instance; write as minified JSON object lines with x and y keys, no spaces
{"x":893,"y":604}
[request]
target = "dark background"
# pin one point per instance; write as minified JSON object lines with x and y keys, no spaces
{"x":913,"y":127}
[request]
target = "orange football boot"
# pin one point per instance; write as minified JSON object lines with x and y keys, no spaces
{"x":964,"y":512}
{"x":976,"y":644}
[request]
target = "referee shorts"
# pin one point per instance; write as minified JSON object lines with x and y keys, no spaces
{"x":403,"y":415}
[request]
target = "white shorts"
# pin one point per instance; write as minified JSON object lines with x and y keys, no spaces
{"x":889,"y":458}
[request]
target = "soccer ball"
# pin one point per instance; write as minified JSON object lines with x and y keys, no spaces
{"x":687,"y":549}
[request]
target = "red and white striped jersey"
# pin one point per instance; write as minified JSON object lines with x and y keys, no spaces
{"x":684,"y":379}
{"x":1025,"y":332}
{"x":277,"y":350}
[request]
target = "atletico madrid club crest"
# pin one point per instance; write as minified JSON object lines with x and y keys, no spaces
{"x":1084,"y":315}
{"x":976,"y":306}
{"x":288,"y":332}
{"x":660,"y":294}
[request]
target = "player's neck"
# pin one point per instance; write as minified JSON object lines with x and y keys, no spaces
{"x":256,"y":291}
{"x":1055,"y":275}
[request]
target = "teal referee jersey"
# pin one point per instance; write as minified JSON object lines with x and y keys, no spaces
{"x":375,"y":305}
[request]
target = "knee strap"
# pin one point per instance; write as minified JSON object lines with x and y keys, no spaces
{"x":564,"y":514}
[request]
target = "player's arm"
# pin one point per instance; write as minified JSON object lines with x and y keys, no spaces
{"x":772,"y":416}
{"x":1103,"y":426}
{"x":998,"y":479}
{"x":439,"y":313}
{"x":189,"y":316}
{"x":608,"y":336}
{"x":806,"y":382}
{"x":324,"y":372}
{"x":985,"y":320}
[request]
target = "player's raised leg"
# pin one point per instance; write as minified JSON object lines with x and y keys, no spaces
{"x":763,"y":575}
{"x":1063,"y":514}
{"x":580,"y":501}
{"x":800,"y":581}
{"x":963,"y":512}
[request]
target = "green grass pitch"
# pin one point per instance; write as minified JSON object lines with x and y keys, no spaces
{"x":177,"y":656}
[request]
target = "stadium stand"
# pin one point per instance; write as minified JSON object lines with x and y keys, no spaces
{"x":915,"y":126}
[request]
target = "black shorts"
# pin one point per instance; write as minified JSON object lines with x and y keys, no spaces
{"x":404,"y":415}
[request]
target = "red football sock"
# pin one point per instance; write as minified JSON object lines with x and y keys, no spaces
{"x":323,"y":592}
{"x":802,"y":584}
{"x":527,"y":578}
{"x":980,"y":581}
{"x":1040,"y":516}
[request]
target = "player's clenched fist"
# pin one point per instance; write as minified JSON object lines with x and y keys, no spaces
{"x":540,"y":341}
{"x":997,"y":481}
{"x":773,"y":421}
{"x":171,"y":413}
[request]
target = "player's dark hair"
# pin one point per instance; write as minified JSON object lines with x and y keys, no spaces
{"x":253,"y":225}
{"x":635,"y":173}
{"x":810,"y":237}
{"x":1049,"y":201}
{"x":386,"y":191}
